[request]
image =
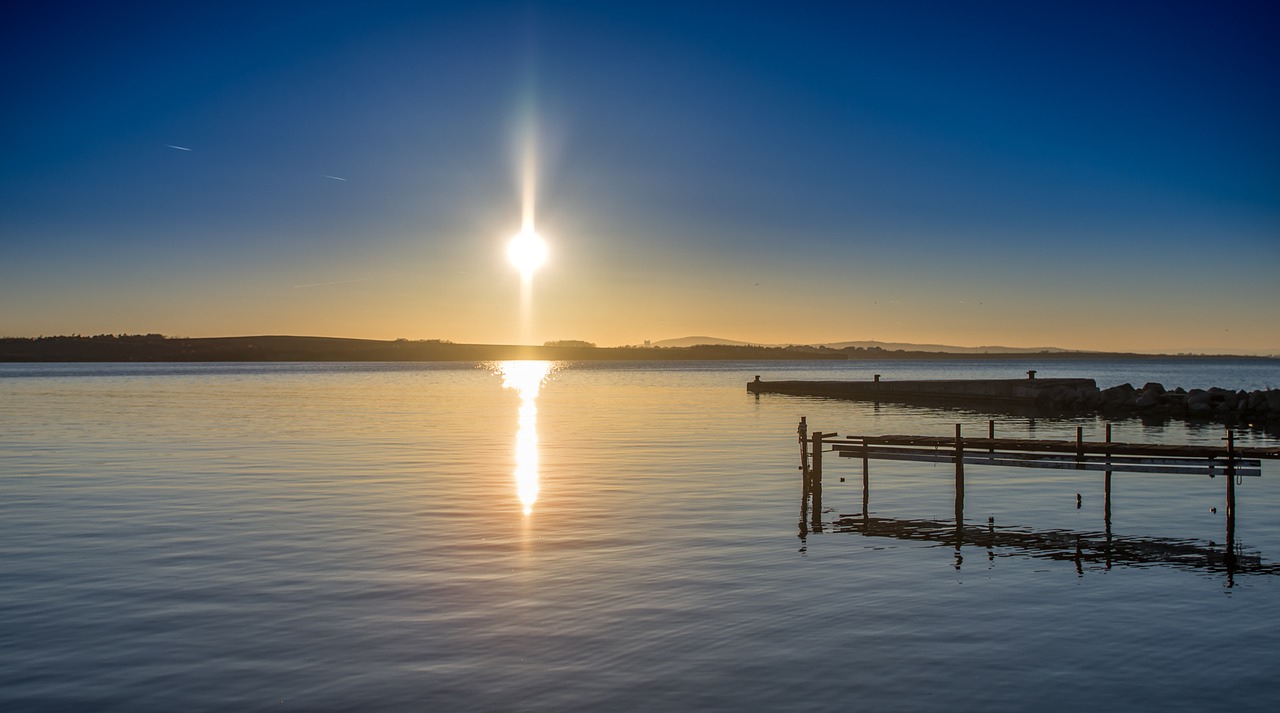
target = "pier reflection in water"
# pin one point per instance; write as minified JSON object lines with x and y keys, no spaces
{"x":1087,"y":550}
{"x":526,"y":378}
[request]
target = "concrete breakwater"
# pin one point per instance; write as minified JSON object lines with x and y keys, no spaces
{"x":1047,"y":395}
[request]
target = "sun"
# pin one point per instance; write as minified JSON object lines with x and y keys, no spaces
{"x":527,"y":251}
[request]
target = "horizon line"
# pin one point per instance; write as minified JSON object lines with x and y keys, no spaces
{"x":657,"y":344}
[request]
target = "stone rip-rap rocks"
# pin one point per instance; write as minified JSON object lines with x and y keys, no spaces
{"x":1154,"y":399}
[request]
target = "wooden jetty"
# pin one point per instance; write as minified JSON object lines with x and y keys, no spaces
{"x":1106,"y":456}
{"x":1071,"y":455}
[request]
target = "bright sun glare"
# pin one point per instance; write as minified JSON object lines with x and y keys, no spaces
{"x":527,"y":251}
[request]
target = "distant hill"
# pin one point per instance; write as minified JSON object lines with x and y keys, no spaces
{"x":157,"y":347}
{"x":699,"y":341}
{"x":944,"y":348}
{"x":887,"y":346}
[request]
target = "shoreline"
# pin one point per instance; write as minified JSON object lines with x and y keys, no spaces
{"x":278,"y":348}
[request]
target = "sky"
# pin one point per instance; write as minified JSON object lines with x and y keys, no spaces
{"x":1099,"y":176}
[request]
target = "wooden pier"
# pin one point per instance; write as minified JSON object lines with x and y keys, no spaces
{"x":1071,"y":455}
{"x":1106,"y":456}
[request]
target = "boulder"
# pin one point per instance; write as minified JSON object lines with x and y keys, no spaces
{"x":1227,"y":396}
{"x":1147,"y":400}
{"x":1089,"y":396}
{"x":1153,"y":386}
{"x":1117,"y":395}
{"x":1199,"y":408}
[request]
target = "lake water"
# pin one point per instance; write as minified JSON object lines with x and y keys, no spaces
{"x":332,"y":537}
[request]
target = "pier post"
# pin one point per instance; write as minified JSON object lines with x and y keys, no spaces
{"x":991,"y":434}
{"x":959,"y":480}
{"x":1231,"y":500}
{"x":866,"y":482}
{"x":1106,"y":487}
{"x":1106,"y":499}
{"x":1231,"y":476}
{"x":803,"y":431}
{"x":815,"y":484}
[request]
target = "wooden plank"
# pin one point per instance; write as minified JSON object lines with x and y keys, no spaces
{"x":857,"y":451}
{"x":1212,"y":465}
{"x":1251,"y":468}
{"x":1056,"y":446}
{"x":1118,"y":468}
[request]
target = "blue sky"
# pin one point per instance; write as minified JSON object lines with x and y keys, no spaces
{"x":1088,"y":175}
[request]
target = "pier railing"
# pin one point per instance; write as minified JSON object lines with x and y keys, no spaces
{"x":1036,"y":453}
{"x":1106,"y":456}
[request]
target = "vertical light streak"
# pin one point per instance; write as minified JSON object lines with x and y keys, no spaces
{"x":526,"y":378}
{"x":526,"y":250}
{"x":528,"y":178}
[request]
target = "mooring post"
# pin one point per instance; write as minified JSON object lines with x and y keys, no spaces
{"x":991,"y":434}
{"x":815,"y":485}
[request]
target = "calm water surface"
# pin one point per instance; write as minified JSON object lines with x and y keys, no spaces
{"x":614,"y":537}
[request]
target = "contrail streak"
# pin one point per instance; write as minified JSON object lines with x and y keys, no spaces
{"x":180,"y":148}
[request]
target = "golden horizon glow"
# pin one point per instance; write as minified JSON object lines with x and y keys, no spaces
{"x":526,"y":378}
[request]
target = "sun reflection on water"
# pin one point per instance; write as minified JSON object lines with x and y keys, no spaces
{"x":526,"y":378}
